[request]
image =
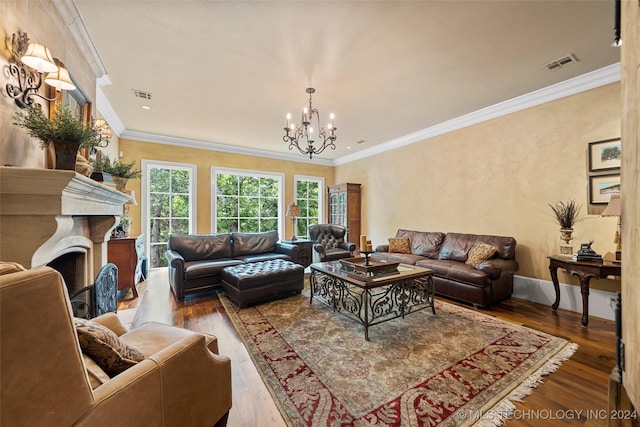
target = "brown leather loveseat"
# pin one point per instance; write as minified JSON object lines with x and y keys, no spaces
{"x":456,"y":274}
{"x":196,"y":261}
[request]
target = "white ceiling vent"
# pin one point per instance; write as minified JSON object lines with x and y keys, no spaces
{"x":562,"y":62}
{"x":141,"y":94}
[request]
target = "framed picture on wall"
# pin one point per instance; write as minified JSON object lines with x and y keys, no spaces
{"x":601,"y":187}
{"x":605,"y":155}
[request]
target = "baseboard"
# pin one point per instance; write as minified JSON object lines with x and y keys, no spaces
{"x":541,"y":291}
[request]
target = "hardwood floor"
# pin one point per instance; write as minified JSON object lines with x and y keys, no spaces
{"x":576,"y":394}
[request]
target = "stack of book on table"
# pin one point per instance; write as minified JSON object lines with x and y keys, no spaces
{"x":593,"y":257}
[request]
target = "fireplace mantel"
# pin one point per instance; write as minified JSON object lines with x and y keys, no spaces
{"x":47,"y":213}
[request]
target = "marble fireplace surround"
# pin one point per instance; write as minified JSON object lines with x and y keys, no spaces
{"x":51,"y":215}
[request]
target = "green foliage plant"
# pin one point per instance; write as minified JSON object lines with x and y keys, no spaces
{"x":122,"y":170}
{"x":566,"y":213}
{"x":65,"y":126}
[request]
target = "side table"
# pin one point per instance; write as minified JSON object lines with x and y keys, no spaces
{"x":304,"y":257}
{"x":127,"y":253}
{"x":585,"y":270}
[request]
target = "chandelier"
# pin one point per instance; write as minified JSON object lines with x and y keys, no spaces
{"x":296,"y":135}
{"x":101,"y":127}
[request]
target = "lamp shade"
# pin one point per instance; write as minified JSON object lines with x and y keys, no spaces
{"x":38,"y":56}
{"x":293,"y":210}
{"x":614,"y":208}
{"x":60,"y":80}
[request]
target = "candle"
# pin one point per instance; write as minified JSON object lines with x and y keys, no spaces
{"x":363,"y":242}
{"x":369,"y":247}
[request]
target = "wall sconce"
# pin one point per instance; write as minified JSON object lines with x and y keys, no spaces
{"x":29,"y":63}
{"x":104,"y":133}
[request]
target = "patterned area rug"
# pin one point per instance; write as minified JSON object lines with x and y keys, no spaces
{"x":458,"y":367}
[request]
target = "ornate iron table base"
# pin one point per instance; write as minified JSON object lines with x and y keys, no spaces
{"x":373,"y":304}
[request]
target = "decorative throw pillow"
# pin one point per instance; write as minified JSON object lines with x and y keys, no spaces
{"x":105,"y":348}
{"x":479,"y":253}
{"x":399,"y":245}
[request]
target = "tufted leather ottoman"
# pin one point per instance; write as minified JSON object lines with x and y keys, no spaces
{"x":260,"y":281}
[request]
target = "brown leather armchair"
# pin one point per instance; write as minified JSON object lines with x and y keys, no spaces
{"x":48,"y":381}
{"x":329,"y":244}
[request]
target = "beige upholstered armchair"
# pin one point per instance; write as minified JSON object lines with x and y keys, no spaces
{"x":329,"y":244}
{"x":48,"y":381}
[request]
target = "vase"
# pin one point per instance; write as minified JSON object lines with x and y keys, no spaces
{"x":120,"y":182}
{"x":565,"y":236}
{"x":62,"y":154}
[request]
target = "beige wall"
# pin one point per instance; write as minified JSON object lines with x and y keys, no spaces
{"x":496,"y":177}
{"x":136,"y":150}
{"x":40,"y":20}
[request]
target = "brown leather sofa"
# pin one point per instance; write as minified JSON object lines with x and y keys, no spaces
{"x":446,"y":255}
{"x":196,"y":261}
{"x":48,"y":381}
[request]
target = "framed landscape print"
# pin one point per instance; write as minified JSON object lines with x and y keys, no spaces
{"x":605,"y":155}
{"x":601,"y":187}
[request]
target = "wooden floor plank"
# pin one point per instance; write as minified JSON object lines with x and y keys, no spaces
{"x":579,"y":385}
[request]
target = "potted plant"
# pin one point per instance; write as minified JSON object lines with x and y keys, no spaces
{"x":64,"y":134}
{"x":120,"y":172}
{"x":566,"y":215}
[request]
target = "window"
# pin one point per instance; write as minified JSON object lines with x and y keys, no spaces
{"x":169,"y":205}
{"x":246,"y":201}
{"x":309,"y":191}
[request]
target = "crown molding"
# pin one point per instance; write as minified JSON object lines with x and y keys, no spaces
{"x":69,"y":13}
{"x":108,"y":113}
{"x":582,"y":83}
{"x":214,"y":146}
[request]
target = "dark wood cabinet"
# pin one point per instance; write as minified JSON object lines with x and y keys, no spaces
{"x":344,"y":209}
{"x":304,"y":256}
{"x":127,"y":253}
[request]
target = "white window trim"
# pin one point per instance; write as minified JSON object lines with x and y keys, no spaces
{"x":147,"y":165}
{"x":322,"y":195}
{"x":215,"y":170}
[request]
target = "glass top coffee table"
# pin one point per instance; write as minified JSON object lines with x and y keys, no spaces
{"x":372,"y":297}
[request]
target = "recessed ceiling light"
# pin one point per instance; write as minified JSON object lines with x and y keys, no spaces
{"x":349,"y":148}
{"x":146,"y":107}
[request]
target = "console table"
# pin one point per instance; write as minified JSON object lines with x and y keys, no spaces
{"x":585,"y":270}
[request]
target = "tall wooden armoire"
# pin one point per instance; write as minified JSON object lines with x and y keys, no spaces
{"x":344,"y":209}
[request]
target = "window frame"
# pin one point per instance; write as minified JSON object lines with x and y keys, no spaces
{"x":147,"y":165}
{"x":321,"y":196}
{"x":280,"y":177}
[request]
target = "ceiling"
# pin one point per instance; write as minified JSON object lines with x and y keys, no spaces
{"x":228,"y":72}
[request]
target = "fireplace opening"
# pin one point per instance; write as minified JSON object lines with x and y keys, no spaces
{"x":72,"y":268}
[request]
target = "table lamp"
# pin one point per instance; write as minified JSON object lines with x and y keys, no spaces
{"x":614,"y":208}
{"x":293,"y":211}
